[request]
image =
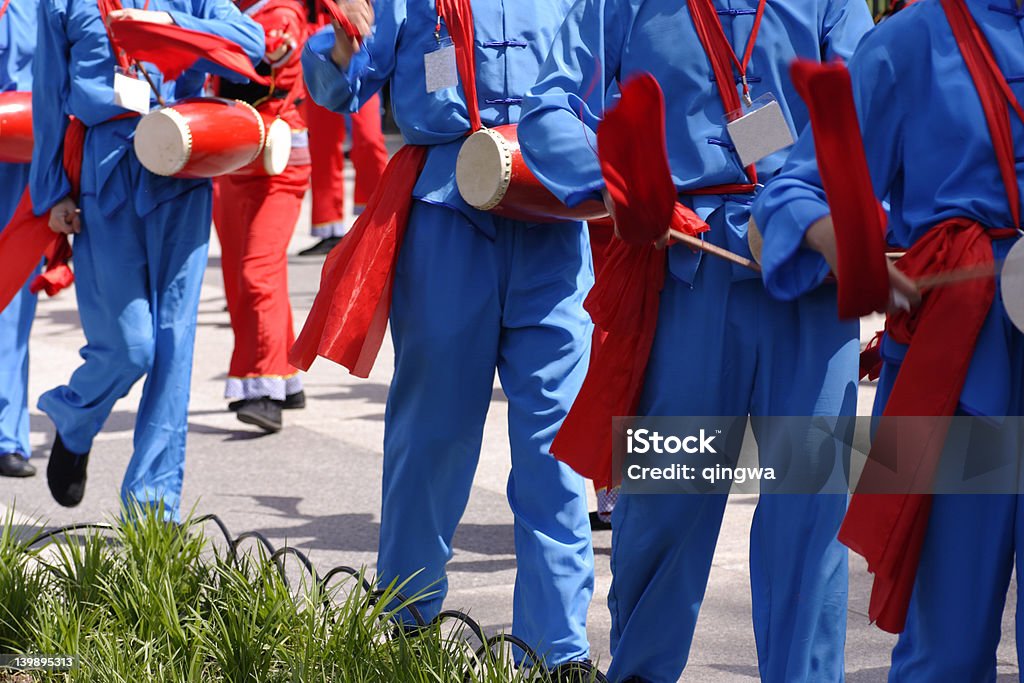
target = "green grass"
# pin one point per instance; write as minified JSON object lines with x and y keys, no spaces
{"x":148,"y":601}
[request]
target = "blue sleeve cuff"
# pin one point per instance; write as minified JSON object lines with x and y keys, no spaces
{"x":592,"y":191}
{"x":792,"y":269}
{"x":329,"y":85}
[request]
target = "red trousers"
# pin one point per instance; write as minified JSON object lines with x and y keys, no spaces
{"x":255,"y":218}
{"x":326,"y":141}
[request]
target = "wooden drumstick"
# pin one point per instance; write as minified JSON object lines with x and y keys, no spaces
{"x":952,"y":277}
{"x":706,"y":247}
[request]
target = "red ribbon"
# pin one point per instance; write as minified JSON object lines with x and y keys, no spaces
{"x":625,"y":298}
{"x":27,"y":237}
{"x":889,"y":530}
{"x":350,"y":313}
{"x":172,"y":49}
{"x":886,"y":527}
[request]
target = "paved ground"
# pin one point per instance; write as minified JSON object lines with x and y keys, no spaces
{"x":316,"y":486}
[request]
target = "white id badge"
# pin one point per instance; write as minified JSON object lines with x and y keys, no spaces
{"x":131,"y":93}
{"x":759,"y":130}
{"x":440,"y":68}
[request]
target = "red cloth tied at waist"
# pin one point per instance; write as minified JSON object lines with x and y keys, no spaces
{"x":350,"y":313}
{"x":27,"y":238}
{"x":889,"y":528}
{"x":625,"y":298}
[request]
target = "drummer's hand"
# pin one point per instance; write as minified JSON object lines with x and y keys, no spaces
{"x":360,"y":13}
{"x":65,"y":218}
{"x":903,"y":293}
{"x":144,"y":15}
{"x":286,"y":43}
{"x":821,"y":237}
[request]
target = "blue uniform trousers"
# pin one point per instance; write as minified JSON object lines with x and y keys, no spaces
{"x":464,"y":305}
{"x":973,"y":541}
{"x":15,"y":326}
{"x":726,"y":348}
{"x":137,"y":281}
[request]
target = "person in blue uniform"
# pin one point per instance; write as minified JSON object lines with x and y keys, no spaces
{"x":932,"y":157}
{"x":723,"y":346}
{"x":18,"y":36}
{"x":140,"y":244}
{"x":473,"y":293}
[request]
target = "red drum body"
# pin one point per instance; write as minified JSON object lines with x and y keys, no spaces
{"x":277,"y":150}
{"x":16,"y":127}
{"x":492,"y":176}
{"x":202,"y":137}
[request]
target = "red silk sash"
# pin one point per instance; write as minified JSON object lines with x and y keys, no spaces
{"x":350,"y":313}
{"x":27,"y":237}
{"x":625,"y":299}
{"x":889,"y":530}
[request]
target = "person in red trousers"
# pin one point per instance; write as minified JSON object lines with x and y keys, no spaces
{"x":255,"y":216}
{"x":369,"y":155}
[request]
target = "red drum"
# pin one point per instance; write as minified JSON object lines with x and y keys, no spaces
{"x":16,"y":127}
{"x":492,"y":176}
{"x":276,"y":152}
{"x":201,"y":137}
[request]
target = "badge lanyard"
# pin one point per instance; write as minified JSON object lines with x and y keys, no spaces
{"x":741,"y":66}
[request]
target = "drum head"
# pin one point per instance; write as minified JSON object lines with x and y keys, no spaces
{"x":1012,"y":285}
{"x":163,"y":142}
{"x":483,"y":170}
{"x":755,"y":240}
{"x":278,"y":148}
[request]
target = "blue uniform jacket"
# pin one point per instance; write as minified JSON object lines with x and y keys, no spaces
{"x":930,"y":157}
{"x":74,"y":68}
{"x":603,"y":41}
{"x":512,"y":39}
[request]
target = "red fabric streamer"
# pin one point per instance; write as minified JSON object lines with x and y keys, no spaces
{"x":350,"y":313}
{"x":884,"y":524}
{"x":858,"y":217}
{"x":27,"y":237}
{"x":624,"y":300}
{"x":347,"y":26}
{"x":173,"y":49}
{"x":889,"y":530}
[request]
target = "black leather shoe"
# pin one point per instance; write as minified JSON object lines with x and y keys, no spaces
{"x":582,"y":671}
{"x":296,"y":401}
{"x":322,"y":247}
{"x":65,"y":474}
{"x":598,"y":524}
{"x":13,"y":465}
{"x":265,"y":413}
